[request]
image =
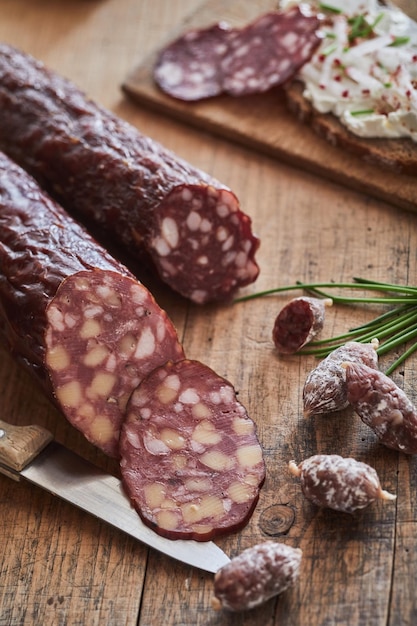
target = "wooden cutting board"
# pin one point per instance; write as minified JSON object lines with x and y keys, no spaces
{"x":262,"y":122}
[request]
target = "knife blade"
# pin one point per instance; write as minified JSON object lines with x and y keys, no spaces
{"x":29,"y":452}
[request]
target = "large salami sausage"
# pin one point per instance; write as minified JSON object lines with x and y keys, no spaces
{"x":190,"y":458}
{"x":188,"y":226}
{"x":73,"y":315}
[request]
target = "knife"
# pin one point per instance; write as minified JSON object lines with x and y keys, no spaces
{"x":30,"y":452}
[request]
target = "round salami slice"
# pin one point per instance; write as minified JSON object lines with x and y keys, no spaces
{"x":298,"y":323}
{"x":189,"y":68}
{"x":105,"y":333}
{"x":267,"y":52}
{"x":190,"y":458}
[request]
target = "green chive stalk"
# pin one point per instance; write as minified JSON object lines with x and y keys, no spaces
{"x":393,"y":328}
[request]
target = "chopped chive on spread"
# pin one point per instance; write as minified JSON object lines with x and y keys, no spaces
{"x":329,"y":49}
{"x":377,"y":20}
{"x":329,"y":7}
{"x":363,"y":112}
{"x":361,"y":28}
{"x":400,"y":41}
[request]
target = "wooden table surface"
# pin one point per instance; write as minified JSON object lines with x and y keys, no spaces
{"x":59,"y":566}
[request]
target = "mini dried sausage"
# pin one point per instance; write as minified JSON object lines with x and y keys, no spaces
{"x":238,"y":61}
{"x":71,"y":314}
{"x":256,"y":575}
{"x":383,"y":406}
{"x":190,"y":458}
{"x":342,"y":484}
{"x":298,"y":323}
{"x":325,"y":389}
{"x":187,"y":225}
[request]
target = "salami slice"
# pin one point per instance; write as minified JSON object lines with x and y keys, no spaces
{"x":73,"y":315}
{"x":269,"y":51}
{"x":190,"y":459}
{"x":264,"y":54}
{"x":187,"y":225}
{"x":190,"y":67}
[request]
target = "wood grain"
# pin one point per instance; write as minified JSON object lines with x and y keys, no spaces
{"x":263,"y":122}
{"x":61,"y":567}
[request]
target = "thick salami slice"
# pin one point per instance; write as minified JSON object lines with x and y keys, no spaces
{"x":72,"y":314}
{"x":238,"y":61}
{"x":190,"y":67}
{"x":269,"y":51}
{"x":187,"y":225}
{"x":190,"y":459}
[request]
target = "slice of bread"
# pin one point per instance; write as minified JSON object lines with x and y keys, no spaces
{"x":397,"y":154}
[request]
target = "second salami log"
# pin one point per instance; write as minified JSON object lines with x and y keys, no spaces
{"x":71,"y":314}
{"x":188,"y":225}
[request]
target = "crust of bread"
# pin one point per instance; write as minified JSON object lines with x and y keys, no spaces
{"x":397,"y":154}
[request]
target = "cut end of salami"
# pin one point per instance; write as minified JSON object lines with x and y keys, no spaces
{"x":190,"y":458}
{"x":202,"y":244}
{"x":298,"y":323}
{"x":267,"y":52}
{"x":105,"y":334}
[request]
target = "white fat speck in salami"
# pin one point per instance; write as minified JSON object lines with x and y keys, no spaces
{"x":216,"y":235}
{"x":116,"y":335}
{"x":263,"y":54}
{"x":335,"y":482}
{"x":256,"y":575}
{"x":190,"y":458}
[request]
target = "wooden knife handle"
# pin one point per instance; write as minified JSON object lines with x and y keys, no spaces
{"x":19,"y":445}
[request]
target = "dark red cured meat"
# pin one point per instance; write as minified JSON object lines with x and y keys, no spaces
{"x":190,"y":459}
{"x":71,"y":314}
{"x":187,"y":225}
{"x":256,"y":575}
{"x":298,"y":322}
{"x":270,"y":51}
{"x":383,"y":406}
{"x":339,"y":483}
{"x":238,"y":61}
{"x":190,"y":67}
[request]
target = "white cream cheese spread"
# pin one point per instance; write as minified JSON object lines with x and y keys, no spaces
{"x":365,"y":69}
